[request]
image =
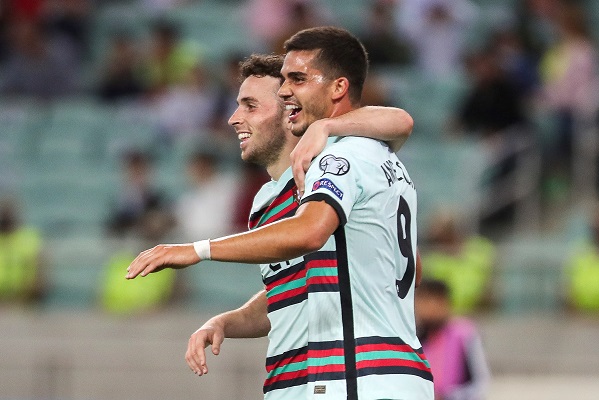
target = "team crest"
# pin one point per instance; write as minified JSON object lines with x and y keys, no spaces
{"x":330,"y":164}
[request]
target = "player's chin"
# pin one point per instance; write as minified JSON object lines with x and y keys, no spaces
{"x":245,"y":156}
{"x":298,"y":130}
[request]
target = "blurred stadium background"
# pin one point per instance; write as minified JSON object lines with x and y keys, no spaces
{"x":64,"y":133}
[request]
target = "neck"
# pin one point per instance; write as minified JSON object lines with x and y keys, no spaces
{"x":342,"y":107}
{"x":276,"y":169}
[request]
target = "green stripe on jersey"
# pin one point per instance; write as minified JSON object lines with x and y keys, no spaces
{"x":275,"y":210}
{"x":322,"y":271}
{"x":323,"y":361}
{"x":292,"y":367}
{"x":297,"y":283}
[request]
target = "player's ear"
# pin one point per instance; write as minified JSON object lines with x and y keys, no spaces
{"x":340,"y":88}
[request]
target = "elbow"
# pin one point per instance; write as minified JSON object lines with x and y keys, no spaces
{"x":316,"y":222}
{"x":312,"y":239}
{"x":315,"y":242}
{"x":407,"y":122}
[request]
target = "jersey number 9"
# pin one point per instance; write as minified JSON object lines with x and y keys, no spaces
{"x":404,"y":238}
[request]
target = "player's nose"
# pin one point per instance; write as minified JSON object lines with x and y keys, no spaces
{"x":284,"y":91}
{"x":235,"y":118}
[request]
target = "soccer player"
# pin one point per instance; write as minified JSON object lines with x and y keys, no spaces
{"x":362,"y":342}
{"x":265,"y":141}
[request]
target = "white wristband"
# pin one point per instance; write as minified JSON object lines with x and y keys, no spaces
{"x":202,"y":248}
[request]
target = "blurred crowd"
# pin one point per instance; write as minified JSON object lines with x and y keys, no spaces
{"x":530,"y":70}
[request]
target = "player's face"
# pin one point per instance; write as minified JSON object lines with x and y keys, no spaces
{"x":306,"y":92}
{"x":258,"y":120}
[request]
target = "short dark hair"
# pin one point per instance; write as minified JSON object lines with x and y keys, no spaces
{"x":261,"y":65}
{"x":341,"y":54}
{"x":433,"y":287}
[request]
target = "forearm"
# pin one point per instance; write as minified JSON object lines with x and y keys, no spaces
{"x":389,"y":124}
{"x":248,"y":321}
{"x":301,"y":234}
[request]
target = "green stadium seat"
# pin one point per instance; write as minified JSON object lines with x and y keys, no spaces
{"x":529,"y":274}
{"x":74,"y":270}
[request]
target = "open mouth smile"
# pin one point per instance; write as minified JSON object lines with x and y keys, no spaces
{"x":294,"y":111}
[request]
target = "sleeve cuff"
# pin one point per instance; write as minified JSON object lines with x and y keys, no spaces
{"x":327,"y":199}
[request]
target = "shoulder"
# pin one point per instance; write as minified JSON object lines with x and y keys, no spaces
{"x":357,"y":144}
{"x":354,"y":148}
{"x":264,"y":195}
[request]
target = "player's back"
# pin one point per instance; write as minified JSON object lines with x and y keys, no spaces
{"x":362,"y":342}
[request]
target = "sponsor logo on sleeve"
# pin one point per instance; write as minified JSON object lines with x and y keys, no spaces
{"x":327,"y":184}
{"x":330,"y":164}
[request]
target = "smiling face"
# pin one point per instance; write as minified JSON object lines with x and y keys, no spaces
{"x":258,"y":121}
{"x":307,"y":93}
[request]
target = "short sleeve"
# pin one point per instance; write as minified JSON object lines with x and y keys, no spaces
{"x":333,"y":179}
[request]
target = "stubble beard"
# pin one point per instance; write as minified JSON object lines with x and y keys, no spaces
{"x":312,"y":114}
{"x":269,"y":153}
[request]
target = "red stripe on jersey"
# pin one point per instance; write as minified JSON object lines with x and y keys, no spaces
{"x":298,"y":275}
{"x":286,"y":295}
{"x":321,"y":263}
{"x":316,"y":280}
{"x":286,"y":361}
{"x":286,"y":376}
{"x":282,"y":197}
{"x":384,"y":346}
{"x":391,"y":362}
{"x":281,"y":213}
{"x":321,"y":369}
{"x":325,"y":353}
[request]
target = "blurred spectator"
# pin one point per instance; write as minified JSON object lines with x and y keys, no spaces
{"x":206,"y":209}
{"x":376,"y":92}
{"x":582,"y":271}
{"x":437,"y":31}
{"x":493,"y":104}
{"x":20,"y":257}
{"x":380,"y":37}
{"x":160,"y":6}
{"x":304,"y":14}
{"x":570,"y":82}
{"x":4,"y":32}
{"x":534,"y":25}
{"x":140,"y":208}
{"x":126,"y":297}
{"x":226,"y":95}
{"x":273,"y":21}
{"x":451,"y":345}
{"x":518,"y":65}
{"x":37,"y":65}
{"x":26,"y":10}
{"x":463,"y":262}
{"x":170,"y":59}
{"x":185,"y":109}
{"x":121,"y":76}
{"x":69,"y":20}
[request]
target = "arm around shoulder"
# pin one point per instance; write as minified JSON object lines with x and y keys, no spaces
{"x":390,"y":124}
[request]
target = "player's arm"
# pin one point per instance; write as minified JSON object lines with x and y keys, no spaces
{"x":305,"y":232}
{"x":390,"y":124}
{"x":248,"y":321}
